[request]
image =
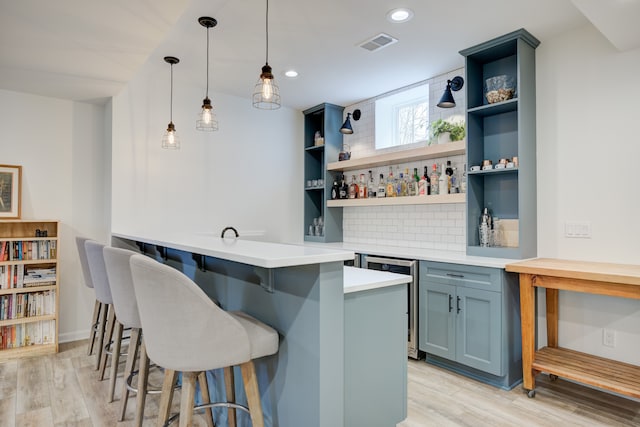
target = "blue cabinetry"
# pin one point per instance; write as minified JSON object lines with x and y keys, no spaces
{"x":326,"y":119}
{"x":469,"y":321}
{"x":502,"y":130}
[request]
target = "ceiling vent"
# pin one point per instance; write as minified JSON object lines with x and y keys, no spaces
{"x":378,"y":42}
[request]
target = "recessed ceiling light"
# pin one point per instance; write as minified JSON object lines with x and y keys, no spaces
{"x":291,"y":73}
{"x":399,"y":15}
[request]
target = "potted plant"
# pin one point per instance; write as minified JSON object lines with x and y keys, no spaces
{"x":443,"y":131}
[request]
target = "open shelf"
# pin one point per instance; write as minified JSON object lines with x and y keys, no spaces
{"x":30,"y":351}
{"x":27,"y":289}
{"x":395,"y":201}
{"x":29,"y":319}
{"x":585,"y":368}
{"x":497,"y":108}
{"x":493,"y":171}
{"x":404,"y":156}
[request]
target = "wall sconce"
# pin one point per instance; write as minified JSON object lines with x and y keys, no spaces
{"x":346,"y":126}
{"x":455,"y":85}
{"x":266,"y":94}
{"x":170,"y":139}
{"x":206,"y":118}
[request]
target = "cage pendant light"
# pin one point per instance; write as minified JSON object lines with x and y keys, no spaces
{"x":170,"y":139}
{"x":266,"y":94}
{"x":207,"y":120}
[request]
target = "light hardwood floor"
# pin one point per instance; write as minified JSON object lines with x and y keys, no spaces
{"x":63,"y":390}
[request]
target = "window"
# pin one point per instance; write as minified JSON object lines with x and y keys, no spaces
{"x":403,"y":118}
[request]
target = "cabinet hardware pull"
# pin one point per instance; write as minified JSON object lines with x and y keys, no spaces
{"x":458,"y":304}
{"x":455,"y":275}
{"x":450,"y":303}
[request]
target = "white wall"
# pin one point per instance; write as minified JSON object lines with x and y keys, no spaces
{"x":588,"y":152}
{"x":248,"y":174}
{"x":60,"y":145}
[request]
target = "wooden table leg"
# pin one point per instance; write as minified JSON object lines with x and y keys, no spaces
{"x":552,"y":317}
{"x":528,"y":319}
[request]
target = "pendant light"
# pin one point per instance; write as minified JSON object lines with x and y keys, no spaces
{"x":206,"y":118}
{"x":266,"y":94}
{"x":170,"y":140}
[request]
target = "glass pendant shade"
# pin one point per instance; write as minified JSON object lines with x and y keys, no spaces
{"x":266,"y":94}
{"x":207,"y":120}
{"x":170,"y":140}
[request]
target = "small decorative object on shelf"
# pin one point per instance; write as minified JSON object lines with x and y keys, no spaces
{"x":443,"y":131}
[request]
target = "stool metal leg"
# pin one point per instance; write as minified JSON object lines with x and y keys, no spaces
{"x":230,"y":391}
{"x":131,"y":358}
{"x":103,"y":322}
{"x":164,"y":410}
{"x":204,"y":391}
{"x":187,"y":398}
{"x":113,"y":372}
{"x":143,"y":375}
{"x":253,"y":394}
{"x":94,"y":323}
{"x":107,"y":338}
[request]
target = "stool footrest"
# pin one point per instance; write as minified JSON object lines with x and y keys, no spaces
{"x":210,"y":405}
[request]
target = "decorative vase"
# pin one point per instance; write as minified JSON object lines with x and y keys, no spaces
{"x":444,"y":137}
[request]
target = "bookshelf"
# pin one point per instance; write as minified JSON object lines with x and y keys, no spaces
{"x":29,"y":288}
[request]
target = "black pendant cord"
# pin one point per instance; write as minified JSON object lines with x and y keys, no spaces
{"x":171,"y":98}
{"x":267,"y":32}
{"x":207,"y":94}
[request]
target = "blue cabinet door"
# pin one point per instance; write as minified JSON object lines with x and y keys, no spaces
{"x":437,"y":317}
{"x":479,"y":329}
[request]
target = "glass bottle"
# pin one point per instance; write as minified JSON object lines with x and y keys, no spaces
{"x":362,"y":188}
{"x":382,"y":187}
{"x":353,"y":188}
{"x":335,"y":190}
{"x":422,"y":184}
{"x":449,"y":172}
{"x":434,"y":179}
{"x":372,"y":186}
{"x":344,"y":189}
{"x":391,"y":185}
{"x":443,"y":182}
{"x":412,"y":185}
{"x":463,"y":180}
{"x":484,"y":228}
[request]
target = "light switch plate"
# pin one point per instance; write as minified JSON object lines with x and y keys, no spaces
{"x":577,"y":229}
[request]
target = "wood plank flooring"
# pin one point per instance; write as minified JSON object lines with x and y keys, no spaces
{"x":63,"y":390}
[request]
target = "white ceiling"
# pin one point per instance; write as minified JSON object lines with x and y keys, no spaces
{"x":87,"y":50}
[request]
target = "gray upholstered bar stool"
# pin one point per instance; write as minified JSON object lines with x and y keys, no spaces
{"x":186,"y":332}
{"x":116,"y":261}
{"x":100,"y":280}
{"x":98,"y":307}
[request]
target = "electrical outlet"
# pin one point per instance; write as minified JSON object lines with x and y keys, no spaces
{"x":609,"y":337}
{"x":577,"y":229}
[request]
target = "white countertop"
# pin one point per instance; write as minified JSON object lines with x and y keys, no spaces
{"x":260,"y":254}
{"x":419,"y":254}
{"x":359,"y":279}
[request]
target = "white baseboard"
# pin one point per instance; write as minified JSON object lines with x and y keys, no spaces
{"x":73,"y":336}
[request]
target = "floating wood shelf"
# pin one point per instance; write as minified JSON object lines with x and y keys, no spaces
{"x":396,"y":201}
{"x":405,"y":156}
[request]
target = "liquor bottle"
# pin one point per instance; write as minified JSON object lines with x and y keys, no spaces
{"x":381,"y":187}
{"x":362,"y":188}
{"x":404,"y":185}
{"x":391,"y":185}
{"x":443,"y":182}
{"x":372,"y":186}
{"x":455,"y":181}
{"x":449,"y":172}
{"x":434,"y":179}
{"x":484,"y":228}
{"x":335,"y":190}
{"x":353,"y":188}
{"x":428,"y":179}
{"x":344,"y":189}
{"x":413,"y":183}
{"x":422,"y":184}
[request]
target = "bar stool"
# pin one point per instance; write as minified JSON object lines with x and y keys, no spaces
{"x":98,"y":306}
{"x":103,"y":294}
{"x":116,"y":262}
{"x":186,"y":332}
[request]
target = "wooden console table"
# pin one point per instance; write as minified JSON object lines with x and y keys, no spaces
{"x":579,"y":276}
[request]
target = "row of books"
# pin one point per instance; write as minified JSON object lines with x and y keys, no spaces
{"x":27,"y":250}
{"x":37,"y":333}
{"x":17,"y":306}
{"x":24,"y":276}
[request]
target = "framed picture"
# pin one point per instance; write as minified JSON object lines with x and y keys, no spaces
{"x":10,"y":181}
